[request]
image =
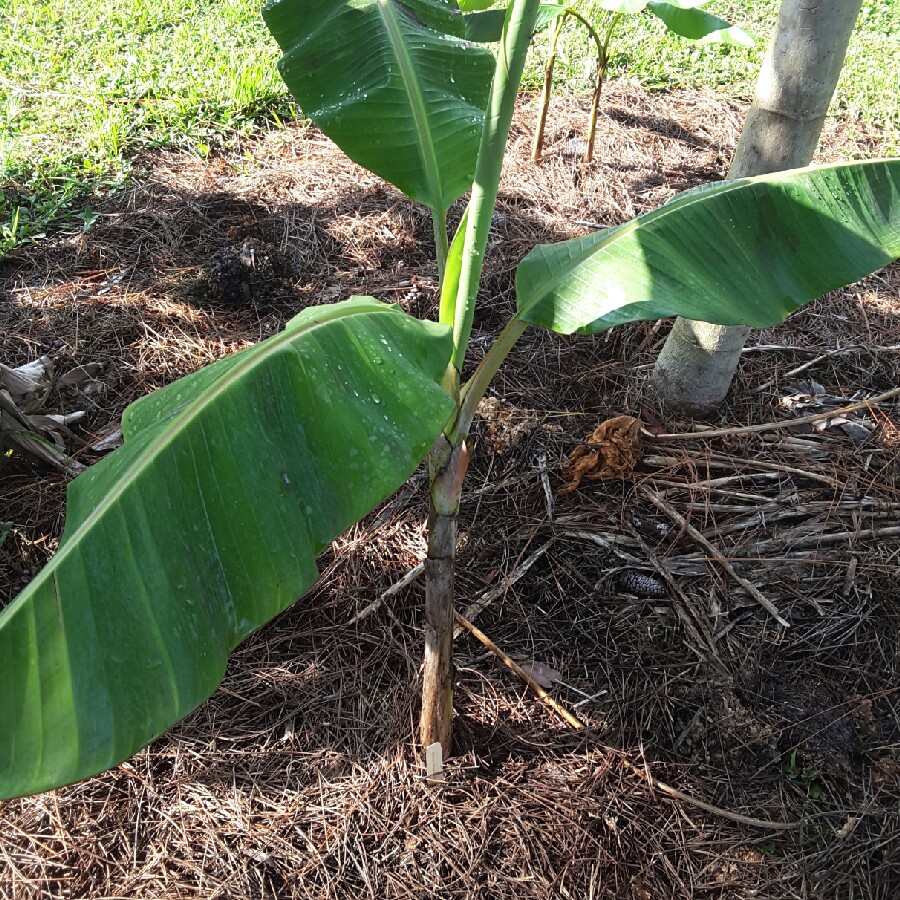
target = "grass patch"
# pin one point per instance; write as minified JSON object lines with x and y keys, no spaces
{"x":86,"y":84}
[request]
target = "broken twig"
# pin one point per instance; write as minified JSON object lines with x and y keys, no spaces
{"x":541,"y":694}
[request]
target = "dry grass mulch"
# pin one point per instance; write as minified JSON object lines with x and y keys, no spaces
{"x":301,"y":777}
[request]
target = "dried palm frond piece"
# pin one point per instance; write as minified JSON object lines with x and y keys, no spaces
{"x":30,"y":384}
{"x":24,"y":425}
{"x":19,"y":432}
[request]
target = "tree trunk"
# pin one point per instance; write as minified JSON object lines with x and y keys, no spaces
{"x":793,"y":93}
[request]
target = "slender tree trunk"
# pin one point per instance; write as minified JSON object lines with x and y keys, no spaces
{"x":793,"y":93}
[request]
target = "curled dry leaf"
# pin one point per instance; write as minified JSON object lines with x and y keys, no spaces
{"x":853,"y":426}
{"x":847,"y":828}
{"x":611,"y":451}
{"x":81,"y":375}
{"x":806,"y":397}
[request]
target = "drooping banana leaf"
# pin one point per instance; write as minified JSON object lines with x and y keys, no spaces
{"x":686,"y":20}
{"x":393,"y":83}
{"x":749,"y":251}
{"x":203,"y":526}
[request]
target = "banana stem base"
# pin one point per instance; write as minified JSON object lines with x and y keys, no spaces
{"x":435,"y":723}
{"x":448,"y":466}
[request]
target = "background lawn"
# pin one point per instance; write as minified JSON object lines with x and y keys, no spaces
{"x":85,"y":84}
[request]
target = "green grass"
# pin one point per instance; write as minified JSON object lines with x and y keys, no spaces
{"x":85,"y":84}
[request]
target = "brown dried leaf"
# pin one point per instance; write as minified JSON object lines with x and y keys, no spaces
{"x":81,"y":374}
{"x":639,"y":890}
{"x":885,"y":772}
{"x":864,"y":715}
{"x":542,"y":674}
{"x":504,"y":424}
{"x":848,"y":827}
{"x":611,"y":451}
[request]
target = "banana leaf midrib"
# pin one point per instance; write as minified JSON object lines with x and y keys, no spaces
{"x":416,"y":102}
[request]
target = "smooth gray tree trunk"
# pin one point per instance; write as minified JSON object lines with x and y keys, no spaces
{"x":797,"y":81}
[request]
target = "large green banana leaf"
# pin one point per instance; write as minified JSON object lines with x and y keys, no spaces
{"x":203,"y":526}
{"x":393,"y":83}
{"x":749,"y":252}
{"x":680,"y":16}
{"x":683,"y":18}
{"x":629,"y":7}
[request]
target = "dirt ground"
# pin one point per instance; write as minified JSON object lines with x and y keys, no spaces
{"x":725,"y":755}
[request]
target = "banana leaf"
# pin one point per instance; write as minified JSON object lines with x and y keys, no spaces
{"x":204,"y":525}
{"x":487,"y":27}
{"x":698,"y":25}
{"x":394,"y":84}
{"x":749,"y":251}
{"x":626,"y":7}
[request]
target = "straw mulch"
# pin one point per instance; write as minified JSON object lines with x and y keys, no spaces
{"x":725,"y":756}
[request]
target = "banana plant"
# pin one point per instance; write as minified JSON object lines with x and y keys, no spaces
{"x":208,"y":520}
{"x":601,"y":20}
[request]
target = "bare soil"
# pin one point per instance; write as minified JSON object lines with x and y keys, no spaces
{"x":301,"y":776}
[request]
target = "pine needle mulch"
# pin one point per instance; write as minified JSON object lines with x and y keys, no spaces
{"x":723,"y":754}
